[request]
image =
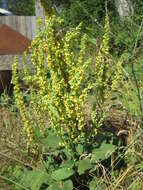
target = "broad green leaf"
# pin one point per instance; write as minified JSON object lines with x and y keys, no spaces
{"x":51,"y":141}
{"x":103,"y":152}
{"x":67,"y":185}
{"x":79,"y":149}
{"x":34,"y":179}
{"x":62,"y":185}
{"x":54,"y":186}
{"x":38,"y":180}
{"x":62,"y":173}
{"x":68,"y":164}
{"x":83,"y":165}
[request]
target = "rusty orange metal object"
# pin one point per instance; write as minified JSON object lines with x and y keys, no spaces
{"x":12,"y":42}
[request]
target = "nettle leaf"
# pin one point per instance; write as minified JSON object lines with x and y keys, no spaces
{"x":62,"y":185}
{"x":83,"y":165}
{"x":62,"y":173}
{"x":102,"y":152}
{"x":51,"y":141}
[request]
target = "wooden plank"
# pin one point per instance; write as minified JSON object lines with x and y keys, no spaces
{"x":22,"y":25}
{"x":9,"y":20}
{"x":33,"y":26}
{"x":6,"y":61}
{"x":12,"y":22}
{"x":28,"y":27}
{"x":17,"y":23}
{"x":1,"y":20}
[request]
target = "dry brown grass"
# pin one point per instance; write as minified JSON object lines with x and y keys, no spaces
{"x":12,"y":145}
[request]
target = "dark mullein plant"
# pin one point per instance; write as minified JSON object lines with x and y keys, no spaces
{"x":61,"y":96}
{"x":66,"y":147}
{"x":107,"y":76}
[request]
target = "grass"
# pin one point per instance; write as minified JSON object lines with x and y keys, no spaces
{"x":12,"y":146}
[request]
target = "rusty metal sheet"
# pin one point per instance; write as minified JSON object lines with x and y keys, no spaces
{"x":12,"y":42}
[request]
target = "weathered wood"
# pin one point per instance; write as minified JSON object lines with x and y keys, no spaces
{"x":26,"y":25}
{"x":21,"y":24}
{"x":6,"y":61}
{"x":33,"y":27}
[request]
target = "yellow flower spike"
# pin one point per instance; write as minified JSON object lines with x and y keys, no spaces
{"x":59,"y":97}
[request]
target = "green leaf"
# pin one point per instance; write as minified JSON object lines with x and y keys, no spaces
{"x":68,"y":164}
{"x":37,"y":134}
{"x":38,"y":180}
{"x":135,"y":186}
{"x":92,"y":185}
{"x":79,"y":149}
{"x":68,"y":185}
{"x":83,"y":165}
{"x":93,"y":41}
{"x":97,"y":184}
{"x":103,"y":152}
{"x":139,"y":166}
{"x":62,"y":174}
{"x":34,"y":179}
{"x":51,"y":141}
{"x":54,"y":186}
{"x":62,"y":185}
{"x":68,"y":154}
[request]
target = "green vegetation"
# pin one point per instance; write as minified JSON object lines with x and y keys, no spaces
{"x":24,"y":7}
{"x":78,"y":123}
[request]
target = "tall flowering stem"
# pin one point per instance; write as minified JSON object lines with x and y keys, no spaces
{"x":19,"y":97}
{"x":60,"y":66}
{"x":107,"y":76}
